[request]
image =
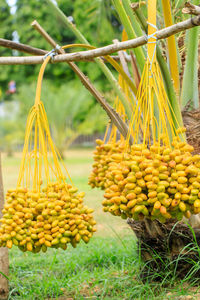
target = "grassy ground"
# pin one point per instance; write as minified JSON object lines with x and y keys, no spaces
{"x":107,"y":268}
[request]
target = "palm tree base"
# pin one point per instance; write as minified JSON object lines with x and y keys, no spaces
{"x":170,"y":248}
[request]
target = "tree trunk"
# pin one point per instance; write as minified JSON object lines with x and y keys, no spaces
{"x":4,"y":261}
{"x":172,"y":246}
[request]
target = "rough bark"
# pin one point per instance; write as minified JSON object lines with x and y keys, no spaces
{"x":164,"y":247}
{"x":191,"y":120}
{"x":4,"y":261}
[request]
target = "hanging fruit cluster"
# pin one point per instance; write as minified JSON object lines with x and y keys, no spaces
{"x":112,"y":143}
{"x":52,"y":218}
{"x":36,"y":215}
{"x":102,"y":158}
{"x":157,"y":177}
{"x":158,"y":183}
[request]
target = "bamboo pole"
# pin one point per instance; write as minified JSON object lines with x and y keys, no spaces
{"x":103,"y":51}
{"x":122,"y":60}
{"x":36,"y":51}
{"x":21,"y":47}
{"x":4,"y":260}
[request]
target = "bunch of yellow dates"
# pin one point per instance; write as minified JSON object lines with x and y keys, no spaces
{"x":54,"y":217}
{"x":157,"y":183}
{"x":102,"y":158}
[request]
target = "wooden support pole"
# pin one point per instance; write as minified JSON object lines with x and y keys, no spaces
{"x":21,"y":47}
{"x":112,"y":114}
{"x":37,"y":51}
{"x":103,"y":51}
{"x":4,"y":260}
{"x":122,"y":59}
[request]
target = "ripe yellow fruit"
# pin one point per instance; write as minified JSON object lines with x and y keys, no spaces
{"x":160,"y":182}
{"x":36,"y":221}
{"x":9,"y":244}
{"x":131,"y":203}
{"x":182,"y":206}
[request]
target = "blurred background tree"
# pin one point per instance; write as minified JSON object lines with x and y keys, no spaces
{"x":11,"y":127}
{"x":98,"y":21}
{"x":70,"y":112}
{"x":93,"y":18}
{"x":6,"y":32}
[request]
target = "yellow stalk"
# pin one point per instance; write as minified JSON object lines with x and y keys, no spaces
{"x":171,"y":44}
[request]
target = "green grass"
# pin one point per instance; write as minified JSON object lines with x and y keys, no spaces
{"x":106,"y":268}
{"x":102,"y":268}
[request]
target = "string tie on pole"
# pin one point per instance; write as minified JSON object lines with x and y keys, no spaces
{"x":148,"y":37}
{"x":53,"y":52}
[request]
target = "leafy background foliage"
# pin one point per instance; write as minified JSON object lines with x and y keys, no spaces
{"x":78,"y":112}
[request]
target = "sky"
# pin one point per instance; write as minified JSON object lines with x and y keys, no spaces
{"x":12,"y":5}
{"x":11,"y":2}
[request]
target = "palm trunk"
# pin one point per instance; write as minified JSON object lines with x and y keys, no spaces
{"x":172,"y":246}
{"x":4,"y":261}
